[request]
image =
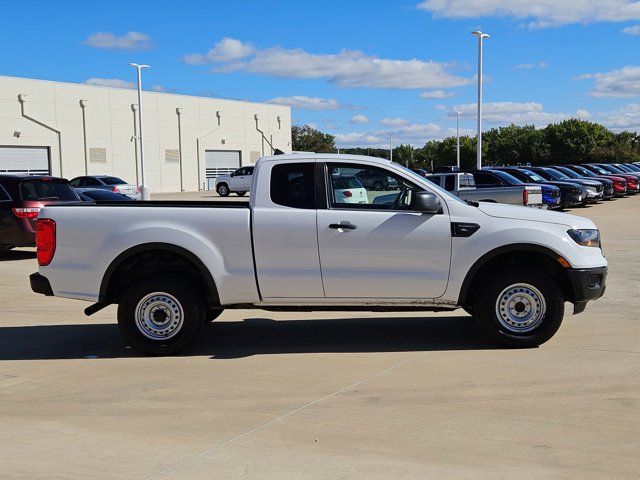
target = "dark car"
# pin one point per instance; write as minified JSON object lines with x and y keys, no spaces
{"x":96,"y":196}
{"x":21,"y":198}
{"x":375,"y":180}
{"x":551,"y":194}
{"x":595,"y":190}
{"x":619,"y":183}
{"x":606,"y":183}
{"x":108,"y":182}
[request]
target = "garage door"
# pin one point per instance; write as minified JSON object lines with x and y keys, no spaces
{"x":34,"y":160}
{"x":221,"y":162}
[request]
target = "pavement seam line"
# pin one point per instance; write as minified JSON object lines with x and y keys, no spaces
{"x":281,"y":417}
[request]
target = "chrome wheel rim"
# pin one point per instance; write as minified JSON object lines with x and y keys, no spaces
{"x":159,"y":316}
{"x":222,"y":190}
{"x":520,"y":308}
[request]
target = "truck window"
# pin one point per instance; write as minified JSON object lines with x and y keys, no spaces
{"x":45,"y":189}
{"x":366,"y":187}
{"x":449,"y":183}
{"x":293,"y":185}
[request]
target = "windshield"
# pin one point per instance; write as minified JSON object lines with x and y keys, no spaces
{"x":611,"y":168}
{"x":534,"y":176}
{"x":601,"y":170}
{"x":40,"y":189}
{"x":421,"y":181}
{"x":585,"y":171}
{"x":510,"y":179}
{"x":568,"y":172}
{"x":556,"y":174}
{"x":112,"y":181}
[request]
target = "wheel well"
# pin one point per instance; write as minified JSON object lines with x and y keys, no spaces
{"x":140,"y":262}
{"x":539,"y":259}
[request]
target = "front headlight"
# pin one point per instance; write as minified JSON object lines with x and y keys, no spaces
{"x":586,"y":238}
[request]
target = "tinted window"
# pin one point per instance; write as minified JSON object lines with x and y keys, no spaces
{"x":484,"y":179}
{"x":449,"y":183}
{"x":112,"y":181}
{"x":249,"y":170}
{"x":75,"y":182}
{"x":106,"y":195}
{"x":4,"y":196}
{"x":46,"y":190}
{"x":293,"y":185}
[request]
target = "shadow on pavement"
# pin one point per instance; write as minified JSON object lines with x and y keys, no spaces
{"x":255,"y":336}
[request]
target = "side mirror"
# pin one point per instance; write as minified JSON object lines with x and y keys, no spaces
{"x":426,"y":202}
{"x":232,"y":174}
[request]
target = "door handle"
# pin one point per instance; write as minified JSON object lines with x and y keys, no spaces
{"x":345,"y":225}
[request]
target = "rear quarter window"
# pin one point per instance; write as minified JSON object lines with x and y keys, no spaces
{"x":46,"y":190}
{"x":293,"y":185}
{"x":4,"y":196}
{"x":112,"y":181}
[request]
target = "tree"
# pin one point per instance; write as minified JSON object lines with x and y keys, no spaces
{"x":576,"y":141}
{"x":307,"y":139}
{"x":403,"y":154}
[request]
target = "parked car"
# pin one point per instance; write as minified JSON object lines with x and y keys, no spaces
{"x":619,"y":183}
{"x":607,"y":184}
{"x":463,"y":185}
{"x":551,"y":194}
{"x":107,"y":182}
{"x":294,"y":248}
{"x":375,"y":180}
{"x":238,"y":182}
{"x":570,"y":194}
{"x":21,"y":198}
{"x":633,"y":181}
{"x":348,"y":190}
{"x":617,"y":170}
{"x":594,"y":189}
{"x":95,"y":195}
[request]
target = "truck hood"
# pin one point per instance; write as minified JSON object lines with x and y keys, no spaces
{"x":501,"y":210}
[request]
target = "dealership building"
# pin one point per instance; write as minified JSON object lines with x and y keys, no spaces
{"x":69,"y":130}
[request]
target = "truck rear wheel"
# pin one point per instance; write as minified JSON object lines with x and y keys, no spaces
{"x":241,"y":194}
{"x":161,"y":316}
{"x":522,"y":307}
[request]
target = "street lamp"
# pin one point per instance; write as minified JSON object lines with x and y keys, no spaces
{"x":390,"y":148}
{"x":145,"y":191}
{"x":481,"y":36}
{"x":458,"y":138}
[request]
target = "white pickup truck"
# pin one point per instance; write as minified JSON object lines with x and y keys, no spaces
{"x":300,"y":244}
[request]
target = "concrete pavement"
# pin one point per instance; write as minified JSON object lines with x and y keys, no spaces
{"x":325,"y":395}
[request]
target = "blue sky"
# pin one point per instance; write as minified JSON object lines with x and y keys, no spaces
{"x":357,"y":69}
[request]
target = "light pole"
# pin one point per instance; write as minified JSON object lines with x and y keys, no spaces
{"x":481,"y":36}
{"x":145,"y":191}
{"x":458,"y":138}
{"x":390,"y":148}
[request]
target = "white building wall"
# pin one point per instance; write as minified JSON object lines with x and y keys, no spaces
{"x":110,"y":125}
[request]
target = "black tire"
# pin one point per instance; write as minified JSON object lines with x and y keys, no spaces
{"x":187,"y":298}
{"x":223,"y":190}
{"x":486,"y":308}
{"x":213,"y":314}
{"x":241,"y":194}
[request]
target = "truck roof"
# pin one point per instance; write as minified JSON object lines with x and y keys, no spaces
{"x":326,"y":156}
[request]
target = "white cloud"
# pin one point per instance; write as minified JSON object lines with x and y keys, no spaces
{"x":438,"y":94}
{"x":347,"y":68}
{"x":110,"y":82}
{"x":530,"y":66}
{"x":624,"y":82}
{"x":356,"y":139}
{"x":530,"y":113}
{"x":635,"y":30}
{"x":394,"y":122}
{"x":225,"y":50}
{"x":540,"y":13}
{"x":360,"y":119}
{"x":624,"y":118}
{"x":306,"y":103}
{"x":128,"y":41}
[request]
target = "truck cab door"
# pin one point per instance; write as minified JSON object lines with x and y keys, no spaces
{"x":284,"y":231}
{"x":380,"y":250}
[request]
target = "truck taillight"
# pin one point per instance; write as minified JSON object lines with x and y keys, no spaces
{"x":525,"y":196}
{"x":115,"y":189}
{"x":45,"y":240}
{"x":28,"y":213}
{"x":347,"y":194}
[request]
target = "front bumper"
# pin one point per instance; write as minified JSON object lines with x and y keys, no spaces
{"x":40,"y":284}
{"x":586,"y":284}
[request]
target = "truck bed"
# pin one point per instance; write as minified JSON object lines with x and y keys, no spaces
{"x":161,"y":203}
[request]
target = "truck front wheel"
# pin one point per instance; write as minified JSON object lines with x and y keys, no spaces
{"x":223,"y":190}
{"x":520,"y":307}
{"x":161,"y":316}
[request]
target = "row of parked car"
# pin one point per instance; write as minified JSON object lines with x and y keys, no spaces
{"x":562,"y":186}
{"x":22,"y":197}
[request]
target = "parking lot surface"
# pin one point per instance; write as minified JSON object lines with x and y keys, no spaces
{"x":325,"y":395}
